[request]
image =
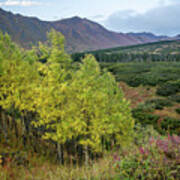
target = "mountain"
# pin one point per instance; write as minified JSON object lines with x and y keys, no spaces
{"x":81,"y":34}
{"x":177,"y":37}
{"x":23,"y":30}
{"x":146,"y":37}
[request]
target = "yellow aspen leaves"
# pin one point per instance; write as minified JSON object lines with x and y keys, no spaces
{"x":82,"y":105}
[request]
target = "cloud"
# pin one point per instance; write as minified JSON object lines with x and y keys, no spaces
{"x":24,"y":3}
{"x":97,"y":17}
{"x":160,"y":20}
{"x":167,"y":2}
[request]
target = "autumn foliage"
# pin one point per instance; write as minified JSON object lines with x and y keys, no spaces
{"x":76,"y":108}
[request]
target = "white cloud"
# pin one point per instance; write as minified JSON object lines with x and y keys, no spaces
{"x":160,"y":20}
{"x":98,"y":17}
{"x":24,"y":3}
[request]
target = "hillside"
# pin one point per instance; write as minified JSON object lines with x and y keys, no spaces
{"x":66,"y":120}
{"x":147,"y":37}
{"x":81,"y":34}
{"x":155,"y":51}
{"x":163,"y":47}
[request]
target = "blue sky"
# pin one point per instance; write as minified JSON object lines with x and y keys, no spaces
{"x":157,"y":16}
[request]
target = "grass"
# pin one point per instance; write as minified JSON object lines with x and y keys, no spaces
{"x":44,"y":170}
{"x":149,"y":156}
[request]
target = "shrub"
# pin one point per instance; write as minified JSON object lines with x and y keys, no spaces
{"x":159,"y":103}
{"x":175,"y":98}
{"x":135,"y":81}
{"x":171,"y":125}
{"x":154,"y":159}
{"x":142,"y":134}
{"x":168,"y":89}
{"x":145,"y":79}
{"x":152,"y":79}
{"x":178,"y":110}
{"x":142,"y":114}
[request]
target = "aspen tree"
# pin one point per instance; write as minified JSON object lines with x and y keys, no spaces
{"x":81,"y":107}
{"x":103,"y":111}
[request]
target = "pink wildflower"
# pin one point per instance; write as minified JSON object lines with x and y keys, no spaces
{"x":142,"y":151}
{"x":151,"y":140}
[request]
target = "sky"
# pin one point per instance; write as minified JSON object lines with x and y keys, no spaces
{"x":157,"y":16}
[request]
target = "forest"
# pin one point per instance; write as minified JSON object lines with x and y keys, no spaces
{"x":88,"y":116}
{"x":155,"y":52}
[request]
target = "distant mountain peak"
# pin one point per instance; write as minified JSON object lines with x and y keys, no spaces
{"x":81,"y":34}
{"x":140,"y":33}
{"x":71,"y":19}
{"x":76,"y":18}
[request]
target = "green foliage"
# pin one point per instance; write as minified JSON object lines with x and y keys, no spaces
{"x":170,"y":88}
{"x":159,"y":103}
{"x":143,"y":133}
{"x":170,"y":125}
{"x":151,"y":52}
{"x":151,"y":157}
{"x":9,"y":50}
{"x":149,"y":163}
{"x":143,"y":114}
{"x":44,"y":95}
{"x":178,"y":110}
{"x":88,"y":107}
{"x":103,"y":107}
{"x":175,"y":98}
{"x":146,"y":74}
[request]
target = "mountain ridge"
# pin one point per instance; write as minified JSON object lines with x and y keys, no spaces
{"x":81,"y":34}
